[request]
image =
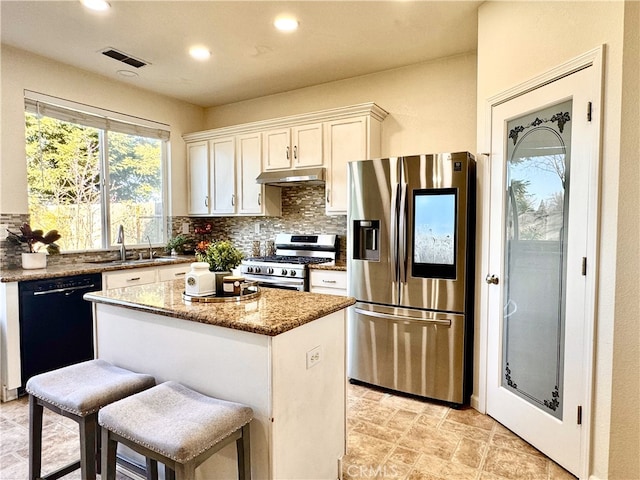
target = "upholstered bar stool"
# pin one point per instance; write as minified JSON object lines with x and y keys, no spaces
{"x":176,"y":426}
{"x":77,"y":392}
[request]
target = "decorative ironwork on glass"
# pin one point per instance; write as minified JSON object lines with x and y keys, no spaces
{"x":561,"y":118}
{"x":537,"y":202}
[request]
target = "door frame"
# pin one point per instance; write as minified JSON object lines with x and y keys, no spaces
{"x":591,"y":59}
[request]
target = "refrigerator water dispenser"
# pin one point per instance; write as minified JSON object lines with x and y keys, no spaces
{"x":366,"y":240}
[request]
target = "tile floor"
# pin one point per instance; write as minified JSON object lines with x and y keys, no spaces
{"x":390,"y":437}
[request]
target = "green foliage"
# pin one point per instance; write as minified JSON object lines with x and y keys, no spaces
{"x":34,"y":237}
{"x":221,"y":256}
{"x":64,"y":179}
{"x":177,"y":243}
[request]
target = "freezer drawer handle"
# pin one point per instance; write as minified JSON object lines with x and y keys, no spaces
{"x":401,"y":317}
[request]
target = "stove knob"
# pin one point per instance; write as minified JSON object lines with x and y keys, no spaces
{"x":293,"y":273}
{"x":270,"y":271}
{"x":284,"y":271}
{"x":258,"y":269}
{"x":249,"y":269}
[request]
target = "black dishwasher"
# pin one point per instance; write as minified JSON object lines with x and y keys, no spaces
{"x":56,"y":324}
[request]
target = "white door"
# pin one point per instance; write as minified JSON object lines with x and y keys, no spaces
{"x":540,"y":305}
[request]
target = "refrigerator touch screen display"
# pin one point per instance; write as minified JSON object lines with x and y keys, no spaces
{"x":434,"y":233}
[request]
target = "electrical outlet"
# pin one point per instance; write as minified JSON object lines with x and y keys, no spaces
{"x":313,"y":357}
{"x":3,"y":231}
{"x":185,"y":227}
{"x":257,"y":227}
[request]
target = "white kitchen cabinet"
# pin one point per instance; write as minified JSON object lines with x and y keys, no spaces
{"x":332,"y":282}
{"x":128,"y":277}
{"x":253,"y":198}
{"x":307,"y":146}
{"x":295,"y":147}
{"x":211,"y":176}
{"x":328,"y":138}
{"x":198,"y":166}
{"x":222,"y":174}
{"x":173,"y":272}
{"x":277,"y":149}
{"x":347,"y":140}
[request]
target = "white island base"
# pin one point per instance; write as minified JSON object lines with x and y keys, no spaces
{"x":298,"y":397}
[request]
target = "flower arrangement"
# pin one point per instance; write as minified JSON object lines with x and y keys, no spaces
{"x":35,"y":239}
{"x":221,"y":256}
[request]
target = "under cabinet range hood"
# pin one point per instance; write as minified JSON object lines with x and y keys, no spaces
{"x":283,"y":178}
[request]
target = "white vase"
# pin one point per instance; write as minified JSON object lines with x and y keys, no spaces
{"x":32,"y":261}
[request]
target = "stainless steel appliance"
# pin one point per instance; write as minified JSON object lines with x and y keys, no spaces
{"x":288,"y":267}
{"x":411,"y":241}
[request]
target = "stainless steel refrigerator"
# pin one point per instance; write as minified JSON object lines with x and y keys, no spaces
{"x":411,"y":243}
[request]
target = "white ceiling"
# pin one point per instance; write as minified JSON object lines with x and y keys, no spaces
{"x":336,"y":40}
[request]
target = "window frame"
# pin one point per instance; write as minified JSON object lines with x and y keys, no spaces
{"x":107,"y":121}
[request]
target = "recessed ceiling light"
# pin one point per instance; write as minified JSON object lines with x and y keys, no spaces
{"x":200,"y":53}
{"x":286,"y":24}
{"x":98,"y":5}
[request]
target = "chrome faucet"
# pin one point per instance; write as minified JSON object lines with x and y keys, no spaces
{"x":120,"y":240}
{"x":150,"y":248}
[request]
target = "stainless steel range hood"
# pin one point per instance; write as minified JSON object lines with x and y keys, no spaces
{"x":283,"y":178}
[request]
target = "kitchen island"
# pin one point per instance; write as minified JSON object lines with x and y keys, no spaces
{"x":282,"y":353}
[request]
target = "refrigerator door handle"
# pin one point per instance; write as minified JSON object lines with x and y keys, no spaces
{"x":388,"y":316}
{"x":394,"y":232}
{"x":402,"y":234}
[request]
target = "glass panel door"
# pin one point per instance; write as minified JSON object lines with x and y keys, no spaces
{"x":537,"y":196}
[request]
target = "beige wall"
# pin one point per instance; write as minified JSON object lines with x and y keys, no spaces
{"x":21,"y":70}
{"x":517,"y":41}
{"x":624,"y":458}
{"x":431,"y":105}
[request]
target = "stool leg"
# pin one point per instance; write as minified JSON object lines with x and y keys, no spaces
{"x":185,"y":471}
{"x":35,"y":438}
{"x":169,"y":473}
{"x":152,"y":469}
{"x":108,"y":456}
{"x":244,"y":454}
{"x":88,"y":428}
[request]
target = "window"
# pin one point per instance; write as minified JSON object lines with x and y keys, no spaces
{"x":89,"y":171}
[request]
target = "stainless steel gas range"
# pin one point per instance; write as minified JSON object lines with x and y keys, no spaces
{"x":288,"y":268}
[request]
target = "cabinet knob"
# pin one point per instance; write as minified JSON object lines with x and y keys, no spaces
{"x":287,"y":153}
{"x":233,"y":200}
{"x":295,"y":152}
{"x":328,"y":195}
{"x":259,"y":199}
{"x":206,"y":201}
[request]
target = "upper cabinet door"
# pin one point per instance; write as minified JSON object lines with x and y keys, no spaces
{"x":223,"y":175}
{"x":249,"y":167}
{"x":198,"y":165}
{"x":307,"y":146}
{"x":347,"y":141}
{"x":277,"y":149}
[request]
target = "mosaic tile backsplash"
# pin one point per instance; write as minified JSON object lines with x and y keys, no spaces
{"x":303,"y":212}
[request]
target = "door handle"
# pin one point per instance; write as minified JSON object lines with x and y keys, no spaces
{"x":492,"y":280}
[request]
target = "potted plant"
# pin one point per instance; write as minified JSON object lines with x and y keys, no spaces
{"x":35,"y":240}
{"x":176,"y":245}
{"x":221,"y":256}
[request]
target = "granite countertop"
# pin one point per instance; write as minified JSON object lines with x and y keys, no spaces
{"x":272,"y":312}
{"x":65,"y":270}
{"x":339,"y":266}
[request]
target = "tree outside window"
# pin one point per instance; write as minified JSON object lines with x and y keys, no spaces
{"x":86,"y":181}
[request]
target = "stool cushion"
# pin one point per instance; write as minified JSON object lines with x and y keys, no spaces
{"x":84,"y":388}
{"x":174,"y":421}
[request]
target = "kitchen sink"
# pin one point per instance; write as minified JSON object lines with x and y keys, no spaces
{"x":142,"y":261}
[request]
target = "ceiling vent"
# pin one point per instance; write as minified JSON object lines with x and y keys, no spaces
{"x":124,"y":57}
